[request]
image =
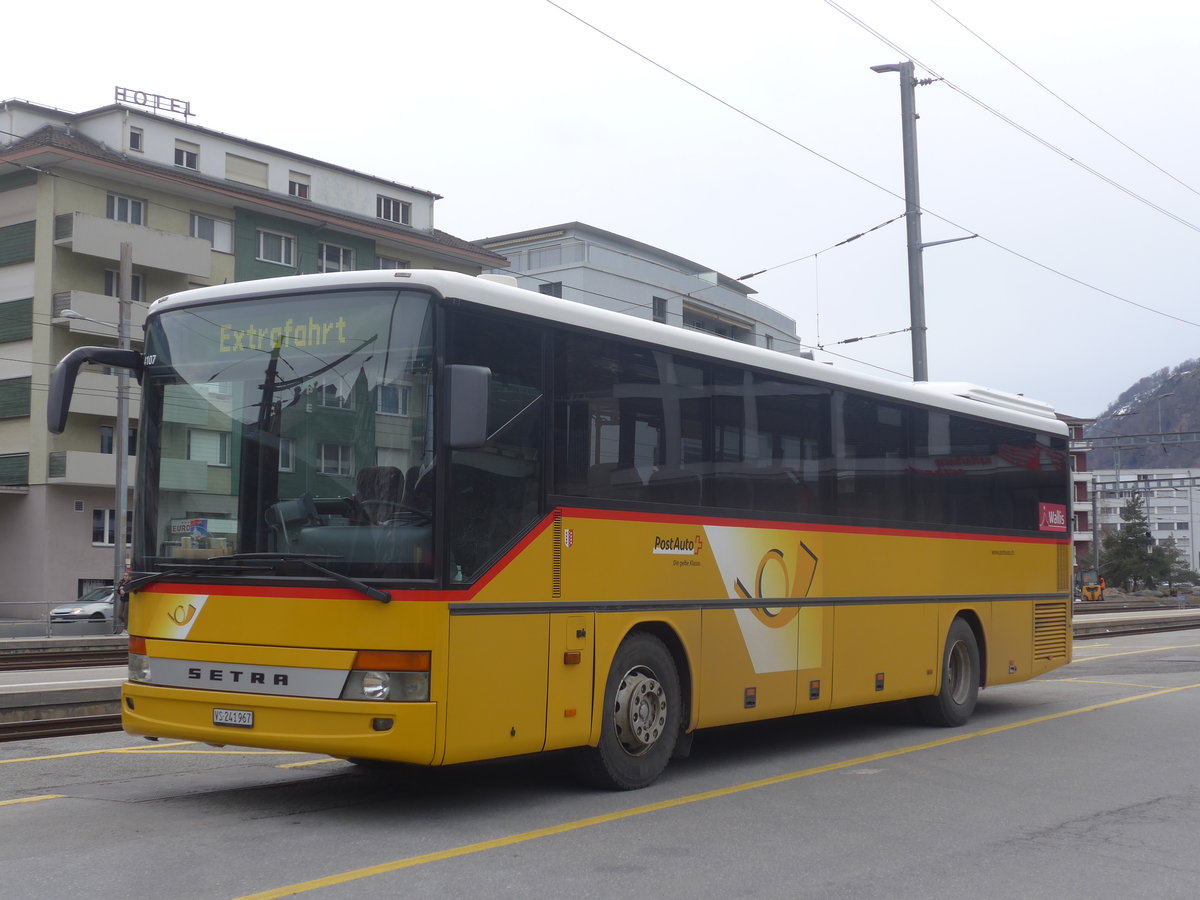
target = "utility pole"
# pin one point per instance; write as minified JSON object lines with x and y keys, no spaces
{"x":912,"y":215}
{"x":121,"y":438}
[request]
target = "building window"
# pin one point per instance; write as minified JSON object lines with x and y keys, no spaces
{"x":332,"y":258}
{"x":388,"y":262}
{"x":210,"y":447}
{"x":659,"y":308}
{"x":277,"y":248}
{"x":335,"y":459}
{"x":392,"y":400}
{"x":551,"y":288}
{"x":112,"y":286}
{"x":298,"y":184}
{"x":769,"y":341}
{"x":106,"y":440}
{"x":393,"y":210}
{"x":287,"y":455}
{"x":136,"y":139}
{"x":217,"y":232}
{"x":126,"y":209}
{"x":330,"y":397}
{"x":187,"y":155}
{"x":104,"y":526}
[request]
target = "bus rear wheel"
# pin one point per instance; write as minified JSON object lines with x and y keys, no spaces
{"x":642,"y":714}
{"x":955,"y":701}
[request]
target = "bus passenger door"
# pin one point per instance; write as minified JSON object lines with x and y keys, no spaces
{"x":570,"y":679}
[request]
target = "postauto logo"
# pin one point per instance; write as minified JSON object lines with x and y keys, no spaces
{"x":678,"y":546}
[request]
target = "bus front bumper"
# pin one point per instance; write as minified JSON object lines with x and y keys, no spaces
{"x":401,"y":732}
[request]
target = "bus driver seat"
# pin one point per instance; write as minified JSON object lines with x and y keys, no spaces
{"x":380,"y":492}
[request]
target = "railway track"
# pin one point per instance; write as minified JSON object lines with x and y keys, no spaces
{"x":63,"y":659}
{"x":37,"y":729}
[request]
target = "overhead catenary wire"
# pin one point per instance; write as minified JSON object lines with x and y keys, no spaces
{"x":1012,"y":122}
{"x":1061,"y":99}
{"x":925,"y":210}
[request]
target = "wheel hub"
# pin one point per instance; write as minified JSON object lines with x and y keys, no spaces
{"x":640,"y":710}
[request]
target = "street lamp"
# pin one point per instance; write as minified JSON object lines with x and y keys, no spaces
{"x":120,"y":440}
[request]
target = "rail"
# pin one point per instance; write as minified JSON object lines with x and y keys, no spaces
{"x":36,"y":729}
{"x":65,"y":658}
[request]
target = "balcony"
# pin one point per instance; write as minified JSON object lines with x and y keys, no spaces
{"x":100,"y":237}
{"x":97,"y":306}
{"x":81,"y":467}
{"x":96,"y":395}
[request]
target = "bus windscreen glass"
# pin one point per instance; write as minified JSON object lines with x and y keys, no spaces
{"x":297,"y":425}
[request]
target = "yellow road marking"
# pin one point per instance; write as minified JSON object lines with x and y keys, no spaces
{"x":31,"y":799}
{"x":310,"y":762}
{"x":1141,"y":687}
{"x":525,"y":836}
{"x":147,"y":749}
{"x":1134,"y":652}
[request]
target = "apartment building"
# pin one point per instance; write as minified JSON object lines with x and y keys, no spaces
{"x":590,"y":265}
{"x":197,"y":207}
{"x":1170,"y":498}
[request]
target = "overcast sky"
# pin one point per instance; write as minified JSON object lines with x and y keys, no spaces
{"x":522,"y":116}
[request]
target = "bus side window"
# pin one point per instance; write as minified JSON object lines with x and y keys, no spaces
{"x":495,"y":490}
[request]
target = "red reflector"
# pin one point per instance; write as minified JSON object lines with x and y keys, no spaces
{"x":137,"y":645}
{"x":393,"y":660}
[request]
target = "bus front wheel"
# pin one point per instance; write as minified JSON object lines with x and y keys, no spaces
{"x":955,"y":701}
{"x":642,"y":710}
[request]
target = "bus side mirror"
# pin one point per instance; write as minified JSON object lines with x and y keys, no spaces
{"x":62,"y":382}
{"x":467,"y":389}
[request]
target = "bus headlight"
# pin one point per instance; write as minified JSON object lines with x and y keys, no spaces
{"x":139,"y":667}
{"x":375,"y":685}
{"x":396,"y":675}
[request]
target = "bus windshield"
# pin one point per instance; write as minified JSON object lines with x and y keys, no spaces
{"x":297,"y":426}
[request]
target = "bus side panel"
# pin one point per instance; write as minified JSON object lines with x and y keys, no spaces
{"x":1009,"y":648}
{"x":884,"y":652}
{"x":496,"y":689}
{"x":732,"y":687}
{"x":570,"y":678}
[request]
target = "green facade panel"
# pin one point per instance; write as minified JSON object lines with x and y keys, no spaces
{"x":16,"y":243}
{"x":14,"y":398}
{"x":16,"y":320}
{"x":14,"y":468}
{"x":306,"y":241}
{"x":17,"y":180}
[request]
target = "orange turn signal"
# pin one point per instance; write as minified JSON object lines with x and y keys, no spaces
{"x":392,"y":660}
{"x":137,"y":645}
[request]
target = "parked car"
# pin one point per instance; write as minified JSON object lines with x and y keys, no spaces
{"x":96,"y":605}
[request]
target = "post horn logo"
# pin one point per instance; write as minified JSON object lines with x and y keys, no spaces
{"x":773,"y":568}
{"x":181,"y":616}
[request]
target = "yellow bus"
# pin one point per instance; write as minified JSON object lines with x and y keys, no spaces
{"x":422,"y":517}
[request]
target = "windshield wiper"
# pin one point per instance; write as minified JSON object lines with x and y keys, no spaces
{"x":138,"y":582}
{"x":310,"y":560}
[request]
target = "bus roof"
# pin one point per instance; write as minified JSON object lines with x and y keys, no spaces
{"x":961,"y":397}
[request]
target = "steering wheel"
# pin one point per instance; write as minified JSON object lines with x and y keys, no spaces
{"x":390,"y":511}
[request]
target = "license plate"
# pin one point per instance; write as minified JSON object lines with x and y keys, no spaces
{"x":234,"y":718}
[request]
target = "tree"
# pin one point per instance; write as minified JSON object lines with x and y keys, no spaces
{"x":1127,"y":555}
{"x":1176,"y":564}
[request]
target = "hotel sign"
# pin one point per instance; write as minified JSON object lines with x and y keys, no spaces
{"x":154,"y":101}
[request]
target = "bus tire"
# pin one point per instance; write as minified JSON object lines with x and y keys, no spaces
{"x":954,"y":702}
{"x":641,"y":716}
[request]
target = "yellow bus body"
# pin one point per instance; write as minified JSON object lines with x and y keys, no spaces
{"x":764,"y":619}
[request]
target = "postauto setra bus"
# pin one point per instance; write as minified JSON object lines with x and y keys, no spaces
{"x":421,"y":517}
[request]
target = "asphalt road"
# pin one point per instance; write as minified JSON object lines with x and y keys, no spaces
{"x":1080,"y":784}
